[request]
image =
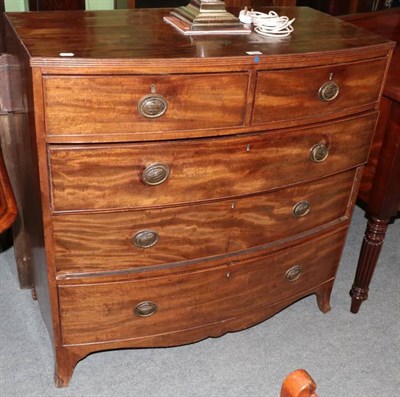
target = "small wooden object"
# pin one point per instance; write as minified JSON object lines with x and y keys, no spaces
{"x":298,"y":384}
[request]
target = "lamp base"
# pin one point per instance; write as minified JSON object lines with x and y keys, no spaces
{"x":207,"y":15}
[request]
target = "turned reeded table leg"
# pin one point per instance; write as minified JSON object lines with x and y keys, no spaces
{"x":369,"y":254}
{"x":383,"y":199}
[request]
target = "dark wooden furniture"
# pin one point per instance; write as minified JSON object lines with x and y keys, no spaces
{"x":14,"y":123}
{"x":298,"y":384}
{"x":8,"y":207}
{"x":259,"y":3}
{"x":2,"y":31}
{"x":380,"y":186}
{"x":228,"y":3}
{"x":340,"y":7}
{"x":54,"y":5}
{"x":186,"y":188}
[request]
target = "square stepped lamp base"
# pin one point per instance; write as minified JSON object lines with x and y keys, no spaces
{"x":206,"y":15}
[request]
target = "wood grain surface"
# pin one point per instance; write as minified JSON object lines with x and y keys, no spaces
{"x":103,"y":242}
{"x":376,"y":147}
{"x":8,"y":206}
{"x":111,"y":37}
{"x":109,"y":176}
{"x":89,"y":105}
{"x":294,"y":93}
{"x":104,"y":312}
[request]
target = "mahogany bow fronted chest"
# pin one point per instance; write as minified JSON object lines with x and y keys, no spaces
{"x":185,"y":187}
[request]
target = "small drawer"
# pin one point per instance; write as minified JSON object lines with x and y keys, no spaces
{"x":106,"y":105}
{"x":141,"y":239}
{"x":99,"y":177}
{"x":155,"y":306}
{"x":304,"y":93}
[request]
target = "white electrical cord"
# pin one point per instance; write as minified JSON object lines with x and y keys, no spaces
{"x":270,"y":24}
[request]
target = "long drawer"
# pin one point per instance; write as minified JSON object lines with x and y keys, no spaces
{"x":92,"y":177}
{"x":139,"y":239}
{"x":305,"y":93}
{"x":153,"y":306}
{"x":86,"y":105}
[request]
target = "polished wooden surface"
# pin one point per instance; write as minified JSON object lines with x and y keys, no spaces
{"x":258,"y":3}
{"x":193,"y":299}
{"x":195,"y":231}
{"x":225,"y":213}
{"x":298,"y":384}
{"x":8,"y":206}
{"x":338,"y":7}
{"x":16,"y":147}
{"x":95,"y":105}
{"x":384,"y":23}
{"x":382,"y":206}
{"x":392,"y":87}
{"x":370,"y":168}
{"x":380,"y":186}
{"x":359,"y":84}
{"x":69,"y":355}
{"x":13,"y":119}
{"x":228,"y":3}
{"x":199,"y":170}
{"x":130,"y":36}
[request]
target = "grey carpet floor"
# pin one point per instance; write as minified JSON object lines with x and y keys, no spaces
{"x":347,"y":355}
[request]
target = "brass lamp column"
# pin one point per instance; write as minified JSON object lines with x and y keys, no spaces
{"x":207,"y":15}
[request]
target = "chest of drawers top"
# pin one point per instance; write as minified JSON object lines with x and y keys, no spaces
{"x":141,"y":39}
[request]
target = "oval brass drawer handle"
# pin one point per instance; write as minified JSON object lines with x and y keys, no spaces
{"x":328,"y":91}
{"x":152,"y":106}
{"x":145,"y":309}
{"x":146,"y":239}
{"x":293,"y":274}
{"x":319,"y":153}
{"x":155,"y":174}
{"x":302,"y":208}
